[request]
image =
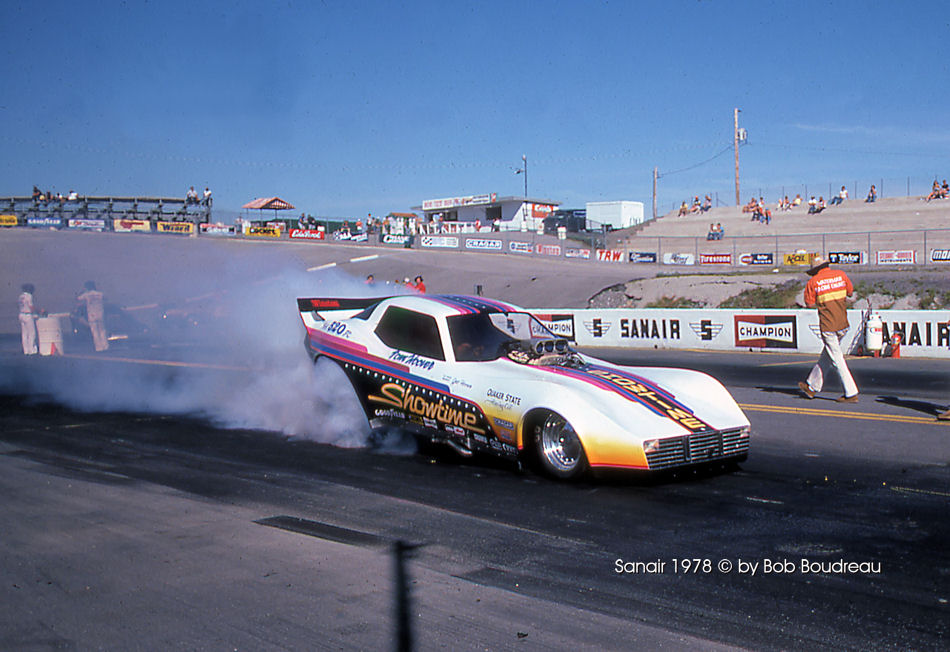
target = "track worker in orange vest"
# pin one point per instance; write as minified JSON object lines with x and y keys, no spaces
{"x":829,"y":289}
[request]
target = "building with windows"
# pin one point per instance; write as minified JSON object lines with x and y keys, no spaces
{"x":487,"y":211}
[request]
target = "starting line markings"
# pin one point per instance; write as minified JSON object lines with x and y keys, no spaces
{"x":817,"y":412}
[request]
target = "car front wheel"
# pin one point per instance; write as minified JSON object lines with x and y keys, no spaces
{"x":559,"y":448}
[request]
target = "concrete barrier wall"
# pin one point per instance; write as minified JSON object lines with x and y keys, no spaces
{"x":924,"y":333}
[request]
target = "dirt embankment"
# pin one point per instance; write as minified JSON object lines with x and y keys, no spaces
{"x":899,"y":290}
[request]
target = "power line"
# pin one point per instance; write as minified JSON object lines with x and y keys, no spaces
{"x":696,"y":165}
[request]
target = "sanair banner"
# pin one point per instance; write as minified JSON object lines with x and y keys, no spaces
{"x":925,"y":333}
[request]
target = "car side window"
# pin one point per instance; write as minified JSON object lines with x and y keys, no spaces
{"x":411,"y":331}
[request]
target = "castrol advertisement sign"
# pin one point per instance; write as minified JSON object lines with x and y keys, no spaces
{"x":307,"y":234}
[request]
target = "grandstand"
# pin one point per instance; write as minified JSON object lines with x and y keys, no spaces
{"x":887,"y":224}
{"x":154,"y":209}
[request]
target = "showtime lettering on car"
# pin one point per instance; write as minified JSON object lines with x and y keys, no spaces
{"x":403,"y":398}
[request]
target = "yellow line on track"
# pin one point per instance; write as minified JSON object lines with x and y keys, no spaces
{"x":928,"y":492}
{"x":163,"y":363}
{"x":844,"y":414}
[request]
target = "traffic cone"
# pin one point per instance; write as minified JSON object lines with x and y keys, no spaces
{"x":53,"y":350}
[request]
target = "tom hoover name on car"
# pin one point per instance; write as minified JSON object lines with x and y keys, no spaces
{"x":411,"y":360}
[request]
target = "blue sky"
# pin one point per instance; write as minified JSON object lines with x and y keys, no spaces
{"x":345,"y":108}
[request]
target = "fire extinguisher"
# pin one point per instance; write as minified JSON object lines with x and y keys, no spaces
{"x":896,"y":345}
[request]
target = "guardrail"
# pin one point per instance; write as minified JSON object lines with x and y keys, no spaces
{"x":860,"y":248}
{"x":898,"y":247}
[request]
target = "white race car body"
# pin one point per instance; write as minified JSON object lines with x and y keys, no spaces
{"x":484,"y":375}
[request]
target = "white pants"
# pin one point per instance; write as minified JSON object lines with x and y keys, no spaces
{"x":99,"y":338}
{"x":28,"y":333}
{"x":831,"y":356}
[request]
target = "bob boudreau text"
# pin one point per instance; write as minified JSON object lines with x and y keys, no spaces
{"x":685,"y":566}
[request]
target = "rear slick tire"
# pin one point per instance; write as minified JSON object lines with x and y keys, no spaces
{"x":558,"y":447}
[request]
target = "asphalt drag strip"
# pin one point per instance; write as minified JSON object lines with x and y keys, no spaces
{"x":831,"y":535}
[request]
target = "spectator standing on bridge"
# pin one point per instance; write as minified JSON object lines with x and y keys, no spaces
{"x":828,"y":290}
{"x":206,"y":200}
{"x":191,"y":197}
{"x":95,"y":315}
{"x":27,"y":319}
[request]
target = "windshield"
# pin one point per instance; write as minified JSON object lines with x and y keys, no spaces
{"x":482,"y":336}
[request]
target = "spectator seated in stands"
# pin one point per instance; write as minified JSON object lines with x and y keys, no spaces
{"x":751,"y":206}
{"x":761,"y":213}
{"x":684,"y":209}
{"x":715,"y":232}
{"x":872,"y":195}
{"x":937,"y":191}
{"x":818,"y":206}
{"x":72,"y":196}
{"x":696,"y":207}
{"x":797,"y":201}
{"x":707,"y":204}
{"x":842,"y":195}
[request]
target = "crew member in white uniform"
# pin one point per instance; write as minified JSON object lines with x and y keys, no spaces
{"x":95,"y":313}
{"x":28,"y":320}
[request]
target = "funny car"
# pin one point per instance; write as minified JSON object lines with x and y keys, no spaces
{"x":486,"y":376}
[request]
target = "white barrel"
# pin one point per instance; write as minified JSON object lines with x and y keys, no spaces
{"x":50,"y":336}
{"x":562,"y":233}
{"x":874,"y":333}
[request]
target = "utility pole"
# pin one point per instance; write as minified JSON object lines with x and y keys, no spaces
{"x":735,"y":141}
{"x":656,"y":175}
{"x":524,"y":160}
{"x":524,"y":170}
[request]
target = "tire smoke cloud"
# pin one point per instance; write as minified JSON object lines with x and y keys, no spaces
{"x":221,"y":339}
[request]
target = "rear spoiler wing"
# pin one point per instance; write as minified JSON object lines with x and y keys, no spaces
{"x":337,"y":305}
